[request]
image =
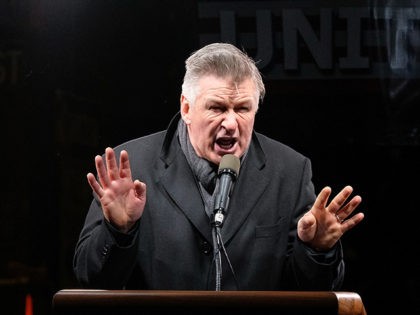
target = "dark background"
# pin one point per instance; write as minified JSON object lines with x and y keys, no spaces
{"x":77,"y":76}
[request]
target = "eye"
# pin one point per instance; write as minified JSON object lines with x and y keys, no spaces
{"x":216,"y":108}
{"x":243,"y":109}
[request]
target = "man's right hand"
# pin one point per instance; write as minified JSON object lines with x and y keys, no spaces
{"x":122,"y":199}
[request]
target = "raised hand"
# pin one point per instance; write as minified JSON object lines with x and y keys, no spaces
{"x":323,"y":225}
{"x":122,"y":199}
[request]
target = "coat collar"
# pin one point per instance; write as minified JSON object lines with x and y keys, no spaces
{"x":179,"y":182}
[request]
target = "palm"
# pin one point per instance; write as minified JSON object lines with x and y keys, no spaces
{"x":323,"y":225}
{"x":121,"y":195}
{"x":122,"y":199}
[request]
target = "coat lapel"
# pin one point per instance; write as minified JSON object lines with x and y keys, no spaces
{"x":246,"y":193}
{"x":180,"y":184}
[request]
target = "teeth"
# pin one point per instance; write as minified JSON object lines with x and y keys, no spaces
{"x":225,"y":144}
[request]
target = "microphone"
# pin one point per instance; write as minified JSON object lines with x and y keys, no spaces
{"x":227,"y":174}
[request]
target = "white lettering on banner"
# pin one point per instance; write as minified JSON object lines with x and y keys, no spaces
{"x":302,"y":40}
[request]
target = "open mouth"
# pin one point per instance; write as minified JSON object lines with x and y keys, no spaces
{"x":225,"y":143}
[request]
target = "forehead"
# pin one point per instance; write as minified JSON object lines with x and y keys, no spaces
{"x":211,"y":85}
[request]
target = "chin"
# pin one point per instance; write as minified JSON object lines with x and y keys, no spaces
{"x":214,"y":158}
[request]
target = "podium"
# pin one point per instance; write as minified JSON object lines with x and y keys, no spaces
{"x":155,"y":302}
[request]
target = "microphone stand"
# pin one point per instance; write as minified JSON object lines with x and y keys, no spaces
{"x":217,"y":222}
{"x":228,"y":171}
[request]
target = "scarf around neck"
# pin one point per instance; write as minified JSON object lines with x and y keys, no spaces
{"x":204,"y":170}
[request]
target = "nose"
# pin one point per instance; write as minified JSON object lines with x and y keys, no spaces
{"x":229,"y":121}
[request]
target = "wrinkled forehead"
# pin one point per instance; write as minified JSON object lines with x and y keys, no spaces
{"x":227,"y":86}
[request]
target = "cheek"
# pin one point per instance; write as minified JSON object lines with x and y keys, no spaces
{"x":246,"y":126}
{"x":203,"y":134}
{"x":211,"y":126}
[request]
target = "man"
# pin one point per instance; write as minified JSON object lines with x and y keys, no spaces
{"x":148,"y":226}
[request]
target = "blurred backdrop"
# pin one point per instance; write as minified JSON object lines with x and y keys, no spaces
{"x":343,"y":88}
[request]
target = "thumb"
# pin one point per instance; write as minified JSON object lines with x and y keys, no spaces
{"x":140,"y":189}
{"x":306,"y":227}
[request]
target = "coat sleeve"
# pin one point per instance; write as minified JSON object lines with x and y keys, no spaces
{"x":305,"y":268}
{"x":104,"y":258}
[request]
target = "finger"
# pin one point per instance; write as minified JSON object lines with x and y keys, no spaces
{"x":322,"y":198}
{"x":338,"y":201}
{"x":111,"y":164}
{"x":101,"y":170}
{"x":140,"y":189}
{"x":345,"y":211}
{"x":352,"y":222}
{"x":125,"y":169}
{"x":307,"y":221}
{"x":307,"y":227}
{"x":95,"y":185}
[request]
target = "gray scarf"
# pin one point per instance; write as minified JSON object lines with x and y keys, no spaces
{"x":205,"y":171}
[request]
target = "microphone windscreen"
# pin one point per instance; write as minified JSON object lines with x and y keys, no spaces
{"x":230,"y":161}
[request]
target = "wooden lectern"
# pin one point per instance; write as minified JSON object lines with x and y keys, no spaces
{"x":130,"y":302}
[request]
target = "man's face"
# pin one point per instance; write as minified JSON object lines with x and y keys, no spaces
{"x":222,"y":118}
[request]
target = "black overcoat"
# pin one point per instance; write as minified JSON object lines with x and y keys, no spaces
{"x":171,"y":247}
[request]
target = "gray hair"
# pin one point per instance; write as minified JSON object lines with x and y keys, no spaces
{"x":222,"y":60}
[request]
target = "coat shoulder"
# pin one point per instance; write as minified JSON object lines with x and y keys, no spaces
{"x":143,"y":151}
{"x":276,"y":149}
{"x":144,"y":143}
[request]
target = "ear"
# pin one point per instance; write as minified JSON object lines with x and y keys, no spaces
{"x":185,"y":110}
